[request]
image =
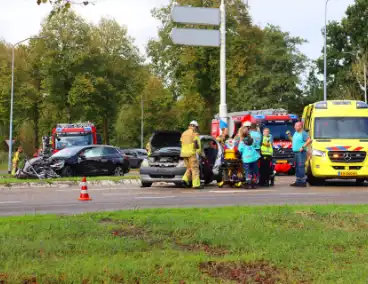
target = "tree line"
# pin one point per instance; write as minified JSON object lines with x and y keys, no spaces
{"x":77,"y":71}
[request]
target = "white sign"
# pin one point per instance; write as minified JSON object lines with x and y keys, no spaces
{"x":199,"y":37}
{"x":196,"y":15}
{"x":8,"y":142}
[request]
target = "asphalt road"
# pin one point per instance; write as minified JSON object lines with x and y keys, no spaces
{"x":64,"y":200}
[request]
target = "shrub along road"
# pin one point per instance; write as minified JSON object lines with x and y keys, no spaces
{"x":319,"y":244}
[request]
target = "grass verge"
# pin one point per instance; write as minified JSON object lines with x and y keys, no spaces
{"x":317,"y":244}
{"x":8,"y":179}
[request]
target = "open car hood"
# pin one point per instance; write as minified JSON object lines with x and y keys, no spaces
{"x":165,"y":141}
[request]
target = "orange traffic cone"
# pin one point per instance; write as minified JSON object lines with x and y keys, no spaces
{"x":84,"y":196}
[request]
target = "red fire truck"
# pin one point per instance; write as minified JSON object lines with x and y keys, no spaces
{"x":278,"y":121}
{"x":74,"y":134}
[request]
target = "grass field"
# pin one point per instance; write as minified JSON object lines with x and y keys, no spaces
{"x":8,"y":179}
{"x":319,"y":244}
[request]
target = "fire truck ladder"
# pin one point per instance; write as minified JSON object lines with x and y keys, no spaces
{"x":74,"y":125}
{"x":271,"y":111}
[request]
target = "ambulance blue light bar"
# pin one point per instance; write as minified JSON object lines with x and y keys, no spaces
{"x":360,"y":105}
{"x":293,"y":116}
{"x":259,"y":116}
{"x":321,"y":105}
{"x":59,"y":129}
{"x":87,"y":128}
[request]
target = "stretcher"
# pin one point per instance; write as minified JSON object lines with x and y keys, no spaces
{"x":232,"y":167}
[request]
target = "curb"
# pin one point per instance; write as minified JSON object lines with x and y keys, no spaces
{"x":68,"y":184}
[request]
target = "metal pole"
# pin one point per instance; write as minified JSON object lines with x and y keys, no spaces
{"x":325,"y":57}
{"x":142,"y":122}
{"x":365,"y":82}
{"x":223,"y":106}
{"x":11,"y":115}
{"x":12,"y":103}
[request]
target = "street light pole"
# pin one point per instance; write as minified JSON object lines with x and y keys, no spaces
{"x":325,"y":56}
{"x":365,"y":81}
{"x":142,"y":122}
{"x":12,"y":102}
{"x":223,"y":105}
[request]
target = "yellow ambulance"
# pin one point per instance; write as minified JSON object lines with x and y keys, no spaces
{"x":339,"y":133}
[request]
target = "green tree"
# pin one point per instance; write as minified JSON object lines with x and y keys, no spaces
{"x":344,"y":40}
{"x":263,"y":66}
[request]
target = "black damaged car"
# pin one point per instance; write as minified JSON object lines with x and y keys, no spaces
{"x":92,"y":160}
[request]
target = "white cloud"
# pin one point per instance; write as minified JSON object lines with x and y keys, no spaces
{"x":20,"y":19}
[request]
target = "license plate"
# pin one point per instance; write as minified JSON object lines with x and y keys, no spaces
{"x":348,"y":174}
{"x":281,"y":162}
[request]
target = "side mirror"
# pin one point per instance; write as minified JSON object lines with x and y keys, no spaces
{"x":82,"y":157}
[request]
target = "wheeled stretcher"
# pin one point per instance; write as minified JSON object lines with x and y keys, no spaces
{"x":232,"y":167}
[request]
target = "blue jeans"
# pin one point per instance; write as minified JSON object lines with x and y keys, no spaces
{"x":251,"y":172}
{"x":300,"y":158}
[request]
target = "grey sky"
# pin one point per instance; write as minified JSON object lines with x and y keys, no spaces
{"x":20,"y":19}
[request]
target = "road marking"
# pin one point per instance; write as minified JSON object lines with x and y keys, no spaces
{"x":10,"y":202}
{"x":154,"y":197}
{"x":242,"y":191}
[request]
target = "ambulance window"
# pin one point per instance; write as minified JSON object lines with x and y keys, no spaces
{"x":341,"y":128}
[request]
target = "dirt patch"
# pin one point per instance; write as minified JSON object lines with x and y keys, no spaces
{"x":30,"y":280}
{"x":210,"y":250}
{"x":129,"y":231}
{"x":338,"y":249}
{"x":254,"y":272}
{"x":3,"y":278}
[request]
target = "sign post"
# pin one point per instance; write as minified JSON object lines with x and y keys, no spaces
{"x":204,"y":37}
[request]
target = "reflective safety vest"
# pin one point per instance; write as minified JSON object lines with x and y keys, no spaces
{"x":267,"y":150}
{"x":190,"y":144}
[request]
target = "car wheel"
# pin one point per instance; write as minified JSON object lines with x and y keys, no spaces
{"x":67,"y":172}
{"x":118,"y":171}
{"x":146,"y":184}
{"x":312,"y":180}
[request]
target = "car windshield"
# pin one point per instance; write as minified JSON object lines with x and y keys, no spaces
{"x":73,"y":140}
{"x":67,"y":152}
{"x":278,"y":131}
{"x":341,"y":128}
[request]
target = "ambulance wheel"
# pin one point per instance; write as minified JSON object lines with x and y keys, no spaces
{"x":312,"y":180}
{"x":360,"y":181}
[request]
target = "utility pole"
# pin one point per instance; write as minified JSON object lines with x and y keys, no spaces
{"x":12,"y":103}
{"x":325,"y":56}
{"x":223,"y":106}
{"x":142,"y":122}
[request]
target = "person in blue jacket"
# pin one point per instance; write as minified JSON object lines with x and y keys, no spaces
{"x":250,"y":158}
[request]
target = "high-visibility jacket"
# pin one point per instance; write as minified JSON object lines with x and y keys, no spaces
{"x":148,"y":148}
{"x":18,"y":162}
{"x":266,"y":147}
{"x":190,"y":144}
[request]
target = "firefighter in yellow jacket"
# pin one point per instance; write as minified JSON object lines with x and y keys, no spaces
{"x":190,"y":151}
{"x":18,"y":161}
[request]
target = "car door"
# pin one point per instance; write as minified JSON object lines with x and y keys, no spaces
{"x":133,"y":159}
{"x":85,"y":164}
{"x":111,"y":158}
{"x":93,"y":161}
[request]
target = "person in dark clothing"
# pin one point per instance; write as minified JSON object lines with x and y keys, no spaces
{"x":266,"y":169}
